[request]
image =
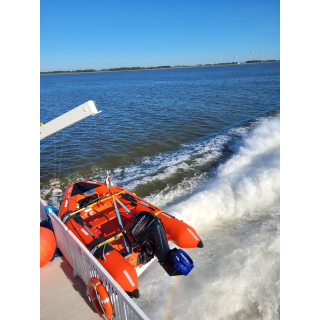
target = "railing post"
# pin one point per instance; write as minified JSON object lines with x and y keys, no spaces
{"x":75,"y":261}
{"x":121,"y":307}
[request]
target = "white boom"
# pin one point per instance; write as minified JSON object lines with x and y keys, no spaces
{"x":75,"y":115}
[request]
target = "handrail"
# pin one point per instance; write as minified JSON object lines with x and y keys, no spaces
{"x":86,"y":266}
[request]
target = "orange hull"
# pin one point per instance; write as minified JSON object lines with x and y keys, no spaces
{"x":179,"y":232}
{"x":100,"y":231}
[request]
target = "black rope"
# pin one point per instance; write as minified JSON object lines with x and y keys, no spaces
{"x":104,"y":154}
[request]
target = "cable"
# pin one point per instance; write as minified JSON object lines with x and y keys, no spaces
{"x":103,"y":251}
{"x":104,"y":154}
{"x":120,"y":223}
{"x":61,"y":156}
{"x":54,"y":160}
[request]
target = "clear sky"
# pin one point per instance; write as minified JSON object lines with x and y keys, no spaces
{"x":109,"y":34}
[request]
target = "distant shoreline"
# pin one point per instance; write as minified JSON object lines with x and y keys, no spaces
{"x":156,"y":68}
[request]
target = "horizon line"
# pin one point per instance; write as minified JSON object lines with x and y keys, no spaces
{"x":155,"y":68}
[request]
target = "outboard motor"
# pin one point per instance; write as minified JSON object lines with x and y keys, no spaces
{"x":147,"y":230}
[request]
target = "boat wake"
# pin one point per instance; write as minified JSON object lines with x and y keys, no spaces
{"x":227,"y":187}
{"x":236,"y":214}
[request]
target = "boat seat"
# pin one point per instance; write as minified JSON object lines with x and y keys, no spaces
{"x":111,"y":215}
{"x":123,"y":211}
{"x":98,"y":222}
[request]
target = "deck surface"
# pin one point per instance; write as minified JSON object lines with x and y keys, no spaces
{"x":63,"y":297}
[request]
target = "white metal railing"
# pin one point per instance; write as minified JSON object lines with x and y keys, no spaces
{"x":86,"y":266}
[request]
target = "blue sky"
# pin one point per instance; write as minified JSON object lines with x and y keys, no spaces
{"x":109,"y":34}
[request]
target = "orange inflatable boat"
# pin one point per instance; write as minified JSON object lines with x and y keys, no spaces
{"x":125,"y":232}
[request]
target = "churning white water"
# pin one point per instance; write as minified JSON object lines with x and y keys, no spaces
{"x":236,"y":214}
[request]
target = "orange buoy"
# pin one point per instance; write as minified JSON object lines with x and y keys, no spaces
{"x":100,"y":298}
{"x":47,"y":246}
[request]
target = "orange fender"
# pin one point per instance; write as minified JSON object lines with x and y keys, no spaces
{"x":100,"y":299}
{"x":47,"y":246}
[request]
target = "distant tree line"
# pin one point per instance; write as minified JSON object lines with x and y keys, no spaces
{"x":159,"y":67}
{"x":259,"y":61}
{"x":103,"y":70}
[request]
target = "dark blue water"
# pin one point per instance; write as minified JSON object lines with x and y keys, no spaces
{"x":151,"y":113}
{"x":202,"y":143}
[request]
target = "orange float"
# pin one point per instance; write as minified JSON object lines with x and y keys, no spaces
{"x":179,"y":232}
{"x":47,"y":246}
{"x":100,"y":298}
{"x":124,"y":232}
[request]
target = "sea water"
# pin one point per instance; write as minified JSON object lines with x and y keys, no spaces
{"x":202,"y":144}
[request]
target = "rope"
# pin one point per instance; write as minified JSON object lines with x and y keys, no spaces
{"x":103,"y":251}
{"x":61,"y":156}
{"x":124,"y":207}
{"x":104,"y":154}
{"x":120,"y":223}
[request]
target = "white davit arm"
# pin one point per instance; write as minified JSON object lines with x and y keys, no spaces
{"x":85,"y":110}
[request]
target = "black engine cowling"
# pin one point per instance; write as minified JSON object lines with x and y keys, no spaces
{"x":147,"y":230}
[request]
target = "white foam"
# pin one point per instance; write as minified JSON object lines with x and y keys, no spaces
{"x":249,"y":181}
{"x":173,"y":193}
{"x":189,"y":157}
{"x":236,"y":214}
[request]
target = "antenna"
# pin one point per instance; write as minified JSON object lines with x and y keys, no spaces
{"x":220,"y":58}
{"x":235,"y":58}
